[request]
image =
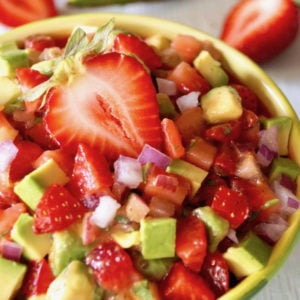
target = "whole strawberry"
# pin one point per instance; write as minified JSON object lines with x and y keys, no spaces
{"x":261,"y":29}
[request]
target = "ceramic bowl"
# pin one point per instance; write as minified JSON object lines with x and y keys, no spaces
{"x":240,"y":66}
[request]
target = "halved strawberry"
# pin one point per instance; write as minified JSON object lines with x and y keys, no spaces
{"x":131,"y":44}
{"x":57,"y":210}
{"x":111,"y":105}
{"x":261,"y":28}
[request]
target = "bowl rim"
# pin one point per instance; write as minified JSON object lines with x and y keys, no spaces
{"x":254,"y":77}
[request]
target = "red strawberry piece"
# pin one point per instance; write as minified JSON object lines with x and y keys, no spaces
{"x":57,"y":210}
{"x":111,"y":106}
{"x":22,"y":164}
{"x":261,"y":28}
{"x":231,"y":205}
{"x":191,"y":242}
{"x":38,"y":278}
{"x":29,"y":78}
{"x":182,"y":283}
{"x":91,"y":171}
{"x":131,"y":44}
{"x":112,"y":266}
{"x":215,"y":271}
{"x":39,"y":42}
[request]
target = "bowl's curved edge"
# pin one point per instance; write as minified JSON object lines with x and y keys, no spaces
{"x":265,"y":88}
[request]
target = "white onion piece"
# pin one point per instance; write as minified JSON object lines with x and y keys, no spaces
{"x":105,"y":212}
{"x":166,"y":86}
{"x":11,"y":250}
{"x":267,"y":145}
{"x":150,"y":154}
{"x":8,"y":152}
{"x":188,"y":101}
{"x":247,"y":166}
{"x":232,"y":235}
{"x":128,"y":171}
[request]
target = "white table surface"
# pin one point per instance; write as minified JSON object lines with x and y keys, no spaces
{"x":208,"y":16}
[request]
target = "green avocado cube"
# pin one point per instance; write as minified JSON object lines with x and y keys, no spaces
{"x":284,"y":165}
{"x":11,"y":274}
{"x":185,"y":169}
{"x":217,"y":227}
{"x":35,"y":246}
{"x":158,"y":237}
{"x":249,"y":256}
{"x":284,"y":126}
{"x":12,"y":59}
{"x":31,"y":188}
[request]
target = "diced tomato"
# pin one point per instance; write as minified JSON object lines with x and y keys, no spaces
{"x":191,"y":242}
{"x":187,"y":47}
{"x":112,"y":266}
{"x":22,"y":164}
{"x":9,"y":216}
{"x":136,"y":208}
{"x":38,"y":278}
{"x":201,"y":153}
{"x":216,"y":272}
{"x":39,"y":42}
{"x":91,"y":171}
{"x":188,"y":79}
{"x":172,"y":139}
{"x":190,"y":124}
{"x":57,"y":210}
{"x":182,"y":283}
{"x":231,"y":205}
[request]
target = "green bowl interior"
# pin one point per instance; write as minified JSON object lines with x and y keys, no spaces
{"x":239,"y":65}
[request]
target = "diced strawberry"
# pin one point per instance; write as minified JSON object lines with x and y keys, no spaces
{"x":191,"y":242}
{"x":111,"y":106}
{"x":131,"y":44}
{"x":39,"y":42}
{"x":187,"y":47}
{"x":231,"y":205}
{"x":29,"y":78}
{"x":22,"y":164}
{"x":91,"y":171}
{"x":262,"y":28}
{"x":225,"y":161}
{"x":182,"y":283}
{"x":38,"y":278}
{"x":112,"y":266}
{"x":216,"y":272}
{"x":188,"y":79}
{"x":57,"y":210}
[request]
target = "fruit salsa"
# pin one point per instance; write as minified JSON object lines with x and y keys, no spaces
{"x":135,"y":168}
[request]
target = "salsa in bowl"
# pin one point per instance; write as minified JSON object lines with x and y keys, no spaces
{"x":141,"y":159}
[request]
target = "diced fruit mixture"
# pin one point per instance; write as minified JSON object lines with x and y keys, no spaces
{"x":135,"y":168}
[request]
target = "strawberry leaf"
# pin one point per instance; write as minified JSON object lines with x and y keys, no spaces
{"x":77,"y":41}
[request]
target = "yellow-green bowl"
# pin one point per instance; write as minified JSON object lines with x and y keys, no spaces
{"x":240,"y":66}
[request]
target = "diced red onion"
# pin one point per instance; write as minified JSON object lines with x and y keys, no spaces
{"x":293,"y":203}
{"x":105,"y":212}
{"x":267,"y":146}
{"x":287,"y":182}
{"x":270,"y":231}
{"x":11,"y":250}
{"x":166,"y":86}
{"x":128,"y":171}
{"x":188,"y":101}
{"x":150,"y":154}
{"x":8,"y":152}
{"x":232,"y":235}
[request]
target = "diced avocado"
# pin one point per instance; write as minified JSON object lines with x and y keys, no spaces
{"x":217,"y":227}
{"x":9,"y":90}
{"x":67,"y":246}
{"x":158,"y":42}
{"x":152,"y":269}
{"x":10,"y":60}
{"x":221,"y":104}
{"x":210,"y":69}
{"x":144,"y":290}
{"x":284,"y":126}
{"x":75,"y":282}
{"x":283,"y":165}
{"x":249,"y":256}
{"x":8,"y":46}
{"x":183,"y":168}
{"x":158,"y":237}
{"x":11,"y":277}
{"x":126,"y":239}
{"x":31,"y":188}
{"x":45,"y":67}
{"x":35,"y":246}
{"x":166,"y":107}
